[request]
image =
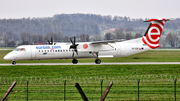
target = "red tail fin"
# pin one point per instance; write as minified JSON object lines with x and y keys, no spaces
{"x":153,"y":33}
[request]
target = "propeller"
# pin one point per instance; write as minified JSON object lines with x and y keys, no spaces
{"x":50,"y":42}
{"x":74,"y":46}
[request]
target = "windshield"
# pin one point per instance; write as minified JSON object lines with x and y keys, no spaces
{"x":19,"y":49}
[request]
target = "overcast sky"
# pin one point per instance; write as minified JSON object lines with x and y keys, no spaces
{"x":131,"y":8}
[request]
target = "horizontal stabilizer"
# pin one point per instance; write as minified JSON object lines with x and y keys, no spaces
{"x":163,"y":19}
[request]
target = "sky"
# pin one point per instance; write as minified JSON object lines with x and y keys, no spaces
{"x":15,"y":9}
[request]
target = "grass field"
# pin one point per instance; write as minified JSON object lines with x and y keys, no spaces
{"x":12,"y":48}
{"x":46,"y":82}
{"x":88,"y":70}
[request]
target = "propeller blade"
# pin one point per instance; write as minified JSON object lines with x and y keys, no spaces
{"x":76,"y":51}
{"x":73,"y":54}
{"x":51,"y":40}
{"x":71,"y":41}
{"x":74,"y":40}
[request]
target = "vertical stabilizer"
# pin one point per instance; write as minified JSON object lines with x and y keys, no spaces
{"x":153,"y":33}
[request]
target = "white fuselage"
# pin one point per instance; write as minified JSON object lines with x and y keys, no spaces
{"x":62,"y":51}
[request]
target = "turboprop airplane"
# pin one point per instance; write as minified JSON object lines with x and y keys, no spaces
{"x":99,"y":49}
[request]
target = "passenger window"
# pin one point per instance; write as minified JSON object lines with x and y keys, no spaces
{"x":42,"y":50}
{"x":50,"y":50}
{"x":55,"y":50}
{"x":47,"y":50}
{"x":39,"y":51}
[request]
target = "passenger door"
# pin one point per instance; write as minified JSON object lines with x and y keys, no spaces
{"x":33,"y":52}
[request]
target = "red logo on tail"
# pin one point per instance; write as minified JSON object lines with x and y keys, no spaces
{"x":153,"y":35}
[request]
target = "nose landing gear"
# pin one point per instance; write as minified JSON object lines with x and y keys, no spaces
{"x":13,"y":62}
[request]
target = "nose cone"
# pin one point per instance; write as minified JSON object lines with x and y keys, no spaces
{"x":8,"y":57}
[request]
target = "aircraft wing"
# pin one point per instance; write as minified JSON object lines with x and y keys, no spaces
{"x":97,"y":46}
{"x":107,"y":41}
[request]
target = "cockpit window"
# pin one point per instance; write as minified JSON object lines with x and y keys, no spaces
{"x":19,"y":49}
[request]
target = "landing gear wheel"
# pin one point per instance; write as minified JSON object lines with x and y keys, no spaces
{"x":74,"y":61}
{"x":13,"y":62}
{"x":97,"y":61}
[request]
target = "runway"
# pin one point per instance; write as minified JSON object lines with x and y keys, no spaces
{"x":125,"y":63}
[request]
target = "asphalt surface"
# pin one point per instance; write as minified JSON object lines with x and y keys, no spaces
{"x":126,"y":63}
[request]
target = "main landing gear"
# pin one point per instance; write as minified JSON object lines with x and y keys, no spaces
{"x":74,"y":61}
{"x":13,"y":62}
{"x":97,"y":61}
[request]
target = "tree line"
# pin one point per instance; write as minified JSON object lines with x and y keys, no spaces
{"x":73,"y":24}
{"x":11,"y":39}
{"x":86,"y":27}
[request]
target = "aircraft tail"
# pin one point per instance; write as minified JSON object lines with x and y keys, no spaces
{"x":153,"y":33}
